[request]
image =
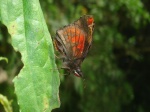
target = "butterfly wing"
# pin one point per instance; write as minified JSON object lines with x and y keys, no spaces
{"x":70,"y":41}
{"x":86,"y":23}
{"x":74,"y":40}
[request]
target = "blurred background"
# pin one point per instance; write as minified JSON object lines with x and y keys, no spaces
{"x":117,"y":67}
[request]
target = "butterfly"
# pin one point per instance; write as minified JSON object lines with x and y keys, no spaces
{"x":73,"y":42}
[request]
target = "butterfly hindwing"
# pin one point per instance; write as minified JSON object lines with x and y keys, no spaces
{"x":86,"y":23}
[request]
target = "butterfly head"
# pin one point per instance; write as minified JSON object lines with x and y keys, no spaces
{"x":77,"y":72}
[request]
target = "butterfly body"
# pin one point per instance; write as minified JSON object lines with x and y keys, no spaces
{"x":73,"y":42}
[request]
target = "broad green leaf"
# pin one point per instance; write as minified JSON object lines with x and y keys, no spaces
{"x":37,"y":85}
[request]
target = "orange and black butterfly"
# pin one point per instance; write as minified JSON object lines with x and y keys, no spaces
{"x":73,"y":42}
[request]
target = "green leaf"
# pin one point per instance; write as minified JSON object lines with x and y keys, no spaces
{"x":37,"y":85}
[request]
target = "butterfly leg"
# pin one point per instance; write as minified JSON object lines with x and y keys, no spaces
{"x":59,"y":57}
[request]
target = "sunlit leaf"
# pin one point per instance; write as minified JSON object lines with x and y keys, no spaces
{"x":37,"y":84}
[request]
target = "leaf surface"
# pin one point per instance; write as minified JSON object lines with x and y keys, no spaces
{"x":37,"y":85}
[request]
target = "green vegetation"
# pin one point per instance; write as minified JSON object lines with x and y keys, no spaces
{"x":116,"y":68}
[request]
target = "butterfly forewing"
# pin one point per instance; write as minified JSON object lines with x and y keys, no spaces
{"x":76,"y":38}
{"x":72,"y":40}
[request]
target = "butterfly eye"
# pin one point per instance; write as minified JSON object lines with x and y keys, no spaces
{"x":76,"y":73}
{"x":90,"y":21}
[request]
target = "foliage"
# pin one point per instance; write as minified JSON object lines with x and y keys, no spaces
{"x":117,"y":66}
{"x":37,"y":84}
{"x":3,"y":58}
{"x":7,"y":105}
